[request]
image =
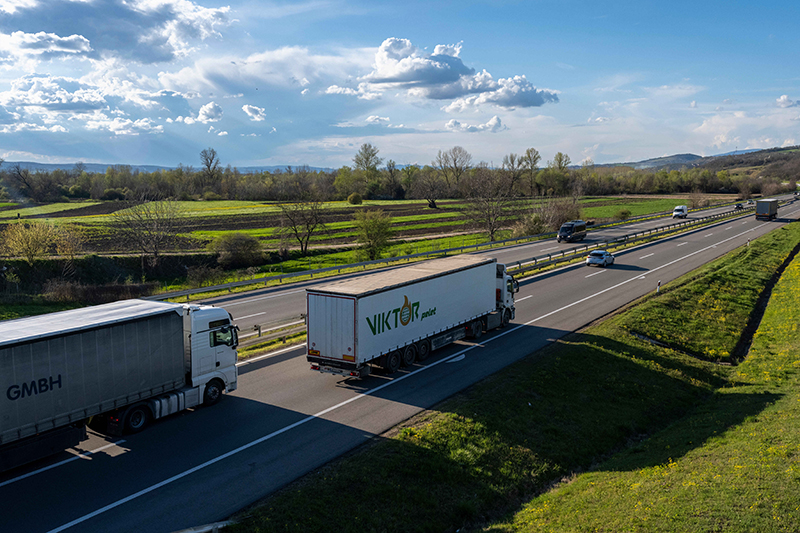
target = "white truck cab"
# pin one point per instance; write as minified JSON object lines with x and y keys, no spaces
{"x":680,"y":211}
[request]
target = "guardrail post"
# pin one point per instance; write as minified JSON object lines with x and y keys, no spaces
{"x":257,"y":327}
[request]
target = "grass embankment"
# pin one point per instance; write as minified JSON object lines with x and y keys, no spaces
{"x":571,"y":408}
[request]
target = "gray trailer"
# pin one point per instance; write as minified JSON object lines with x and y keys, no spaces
{"x":123,"y":363}
{"x":766,"y":209}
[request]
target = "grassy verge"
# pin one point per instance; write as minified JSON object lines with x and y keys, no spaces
{"x":572,"y":407}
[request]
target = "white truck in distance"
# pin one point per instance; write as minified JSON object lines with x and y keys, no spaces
{"x":119,"y":364}
{"x":399,"y":316}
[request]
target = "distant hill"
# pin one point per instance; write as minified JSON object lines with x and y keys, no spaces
{"x":101,"y":167}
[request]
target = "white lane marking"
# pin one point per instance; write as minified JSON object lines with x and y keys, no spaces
{"x":546,"y":249}
{"x":459,"y":358}
{"x":729,"y":228}
{"x":249,"y":316}
{"x":646,"y":256}
{"x":65,"y":461}
{"x":263,"y":298}
{"x":709,"y":235}
{"x":525,"y":298}
{"x":640,"y":277}
{"x":681,"y":244}
{"x":270,"y":354}
{"x":745,"y":222}
{"x":596,"y":273}
{"x":309,"y":418}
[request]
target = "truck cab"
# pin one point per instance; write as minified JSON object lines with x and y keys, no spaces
{"x":507,"y":287}
{"x":214,"y":339}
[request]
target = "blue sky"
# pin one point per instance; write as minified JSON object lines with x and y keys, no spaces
{"x":307,"y":82}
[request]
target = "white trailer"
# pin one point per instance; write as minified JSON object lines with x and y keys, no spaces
{"x":766,"y":209}
{"x":122,"y":363}
{"x":395,"y":317}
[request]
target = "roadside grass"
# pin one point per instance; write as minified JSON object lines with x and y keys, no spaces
{"x":731,"y":465}
{"x":636,"y":208}
{"x":566,"y":410}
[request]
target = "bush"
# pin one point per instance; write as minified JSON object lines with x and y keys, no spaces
{"x":528,"y":225}
{"x":114,"y":194}
{"x":623,"y":214}
{"x":354,"y":199}
{"x":237,"y":250}
{"x":204,"y":276}
{"x":211,"y":196}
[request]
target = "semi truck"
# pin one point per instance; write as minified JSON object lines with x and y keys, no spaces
{"x":766,"y":209}
{"x":119,"y":365}
{"x":392,"y":318}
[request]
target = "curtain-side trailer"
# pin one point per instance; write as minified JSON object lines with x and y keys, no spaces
{"x":122,"y":363}
{"x":766,"y":209}
{"x":399,"y":316}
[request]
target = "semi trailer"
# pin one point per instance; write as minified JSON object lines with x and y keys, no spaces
{"x":120,"y":364}
{"x":392,"y":318}
{"x":766,"y":209}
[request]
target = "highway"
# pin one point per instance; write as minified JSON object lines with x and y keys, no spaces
{"x":284,"y":420}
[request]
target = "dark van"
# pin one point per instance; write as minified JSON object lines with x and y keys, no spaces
{"x":574,"y":230}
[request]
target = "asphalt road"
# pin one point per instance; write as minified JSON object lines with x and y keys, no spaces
{"x":202,"y":465}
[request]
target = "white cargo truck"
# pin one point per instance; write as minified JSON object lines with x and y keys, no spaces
{"x":122,"y":364}
{"x":399,"y":316}
{"x":766,"y":209}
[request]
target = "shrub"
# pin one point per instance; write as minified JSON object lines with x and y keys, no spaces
{"x":211,"y":196}
{"x":623,"y":214}
{"x":354,"y":199}
{"x":528,"y":225}
{"x":114,"y":194}
{"x":237,"y":250}
{"x":204,"y":276}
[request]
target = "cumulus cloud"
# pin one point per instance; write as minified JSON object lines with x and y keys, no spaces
{"x":255,"y":113}
{"x":50,"y":45}
{"x":12,"y":6}
{"x":52,"y":93}
{"x":375,"y":119}
{"x":8,"y":117}
{"x":693,"y":105}
{"x":493,"y":126}
{"x":785,"y":101}
{"x":124,"y":126}
{"x":211,"y":112}
{"x":27,"y":126}
{"x":441,"y":75}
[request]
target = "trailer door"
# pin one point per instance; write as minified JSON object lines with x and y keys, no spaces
{"x":332,"y":327}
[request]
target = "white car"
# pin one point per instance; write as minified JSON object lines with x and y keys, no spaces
{"x":599,"y":257}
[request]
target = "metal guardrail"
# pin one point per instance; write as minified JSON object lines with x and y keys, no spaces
{"x":389,"y":261}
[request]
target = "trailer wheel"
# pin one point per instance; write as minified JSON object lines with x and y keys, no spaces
{"x":423,"y":349}
{"x":137,"y":418}
{"x":393,"y":360}
{"x":213,"y":392}
{"x":477,"y":329}
{"x":409,"y":355}
{"x":506,"y":318}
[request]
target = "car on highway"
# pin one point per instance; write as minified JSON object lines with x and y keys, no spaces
{"x":599,"y":257}
{"x":680,"y":211}
{"x":750,"y":202}
{"x":738,"y":206}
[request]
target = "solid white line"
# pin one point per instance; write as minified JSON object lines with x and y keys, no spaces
{"x":546,"y":249}
{"x":709,"y":235}
{"x":270,"y":354}
{"x":263,"y":298}
{"x":596,"y":273}
{"x":681,"y":244}
{"x":729,"y":228}
{"x":309,"y":418}
{"x":65,"y":461}
{"x":250,"y":316}
{"x":525,"y":298}
{"x":646,"y":256}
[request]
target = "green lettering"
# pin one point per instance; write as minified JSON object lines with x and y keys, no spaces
{"x":371,"y":325}
{"x":386,"y":326}
{"x":396,"y":311}
{"x":414,"y":310}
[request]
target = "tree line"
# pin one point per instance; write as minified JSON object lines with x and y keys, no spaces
{"x":451,"y":174}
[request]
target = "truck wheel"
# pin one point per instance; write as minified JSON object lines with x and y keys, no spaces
{"x":213,"y":392}
{"x":423,"y":349}
{"x":477,"y":329}
{"x":506,"y":318}
{"x":392,"y":362}
{"x":137,"y":418}
{"x":409,"y":355}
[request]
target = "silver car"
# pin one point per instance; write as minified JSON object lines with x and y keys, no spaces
{"x":599,"y":257}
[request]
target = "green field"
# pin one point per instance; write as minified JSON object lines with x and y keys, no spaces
{"x":615,"y":433}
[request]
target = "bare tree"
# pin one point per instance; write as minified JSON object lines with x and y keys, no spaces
{"x":429,"y":185}
{"x":530,"y":162}
{"x":488,"y":198}
{"x":514,"y":167}
{"x":302,"y":220}
{"x":31,"y":240}
{"x":149,"y":226}
{"x":211,"y":167}
{"x":452,"y":165}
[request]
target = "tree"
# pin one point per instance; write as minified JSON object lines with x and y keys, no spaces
{"x":149,"y":226}
{"x":29,"y":240}
{"x":211,"y":167}
{"x":302,"y":220}
{"x":374,"y":229}
{"x":561,"y":162}
{"x":530,"y":163}
{"x":452,"y":164}
{"x":429,"y":185}
{"x":367,"y":160}
{"x":69,"y":241}
{"x":514,"y":167}
{"x":489,"y":196}
{"x":237,"y":250}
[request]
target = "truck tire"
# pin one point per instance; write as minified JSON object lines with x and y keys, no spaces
{"x":213,"y":392}
{"x":393,"y":360}
{"x":477,"y":329}
{"x":409,"y":355}
{"x":423,"y":349}
{"x":137,"y":418}
{"x":506,"y":318}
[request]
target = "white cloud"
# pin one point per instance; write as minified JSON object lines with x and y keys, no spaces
{"x":211,"y":112}
{"x":672,"y":92}
{"x":222,"y":133}
{"x":789,"y":142}
{"x":494,"y":125}
{"x":375,"y":119}
{"x":508,"y":93}
{"x":255,"y":113}
{"x":693,"y":105}
{"x":20,"y":43}
{"x":363,"y":92}
{"x":52,"y":93}
{"x":26,"y":126}
{"x":124,"y":126}
{"x":11,"y":6}
{"x":785,"y":101}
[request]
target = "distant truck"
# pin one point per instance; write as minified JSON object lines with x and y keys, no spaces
{"x":399,"y":316}
{"x":122,"y":364}
{"x":680,"y":211}
{"x":766,"y":209}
